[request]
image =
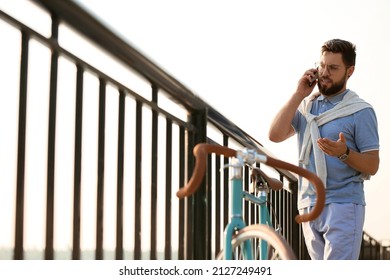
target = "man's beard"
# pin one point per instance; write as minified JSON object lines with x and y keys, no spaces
{"x":334,"y":88}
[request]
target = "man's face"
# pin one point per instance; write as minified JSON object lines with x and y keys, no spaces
{"x":333,"y":74}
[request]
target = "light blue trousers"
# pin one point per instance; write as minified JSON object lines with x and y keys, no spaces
{"x":337,"y":233}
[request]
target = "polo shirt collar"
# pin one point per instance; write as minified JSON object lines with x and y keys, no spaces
{"x":333,"y":99}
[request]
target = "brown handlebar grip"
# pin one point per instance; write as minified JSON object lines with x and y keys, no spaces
{"x":313,"y":178}
{"x":200,"y":152}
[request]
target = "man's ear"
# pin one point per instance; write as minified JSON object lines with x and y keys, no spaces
{"x":350,"y":71}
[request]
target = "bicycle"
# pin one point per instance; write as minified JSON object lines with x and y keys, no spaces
{"x":256,"y":241}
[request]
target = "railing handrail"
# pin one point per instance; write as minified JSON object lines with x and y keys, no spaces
{"x":107,"y":39}
{"x":95,"y":31}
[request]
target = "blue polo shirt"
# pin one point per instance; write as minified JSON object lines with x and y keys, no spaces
{"x":344,"y":184}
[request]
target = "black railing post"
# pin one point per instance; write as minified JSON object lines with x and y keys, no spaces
{"x":199,"y":202}
{"x":138,"y":182}
{"x":153,"y":175}
{"x":19,"y":212}
{"x":182,"y":207}
{"x":297,"y":241}
{"x":78,"y":143}
{"x":100,"y":171}
{"x":120,"y":173}
{"x":49,"y":250}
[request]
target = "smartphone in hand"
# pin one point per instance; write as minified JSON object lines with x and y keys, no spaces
{"x":313,"y":79}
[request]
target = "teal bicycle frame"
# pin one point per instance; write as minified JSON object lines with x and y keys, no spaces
{"x":237,"y":194}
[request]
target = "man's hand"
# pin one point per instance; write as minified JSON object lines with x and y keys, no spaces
{"x":307,"y":82}
{"x":367,"y":162}
{"x":333,"y":148}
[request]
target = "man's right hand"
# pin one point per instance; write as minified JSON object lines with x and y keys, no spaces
{"x":307,"y":83}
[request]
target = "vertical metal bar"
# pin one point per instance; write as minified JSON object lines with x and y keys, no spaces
{"x":290,"y":216}
{"x":272,"y":207}
{"x":208,"y":208}
{"x":226,"y":181}
{"x":119,"y":199}
{"x":282,"y":211}
{"x":153,"y":187}
{"x":19,"y":214}
{"x":100,"y":171}
{"x":49,"y":250}
{"x":189,"y":234}
{"x":199,"y":120}
{"x":218,"y":226}
{"x":257,"y":211}
{"x":283,"y":201}
{"x":283,"y":198}
{"x":168,"y":192}
{"x":77,"y":163}
{"x":256,"y":208}
{"x":138,"y":182}
{"x":298,"y":243}
{"x":182,"y":214}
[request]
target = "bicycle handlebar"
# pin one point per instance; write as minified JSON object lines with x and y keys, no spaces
{"x":203,"y":149}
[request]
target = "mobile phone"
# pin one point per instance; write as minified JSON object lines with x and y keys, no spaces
{"x":313,"y":79}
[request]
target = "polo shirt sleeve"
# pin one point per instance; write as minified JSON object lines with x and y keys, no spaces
{"x":366,"y":130}
{"x":296,"y":122}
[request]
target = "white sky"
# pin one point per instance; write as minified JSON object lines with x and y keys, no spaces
{"x":245,"y":58}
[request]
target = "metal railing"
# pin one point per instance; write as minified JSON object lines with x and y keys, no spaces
{"x":371,"y":249}
{"x":119,"y":202}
